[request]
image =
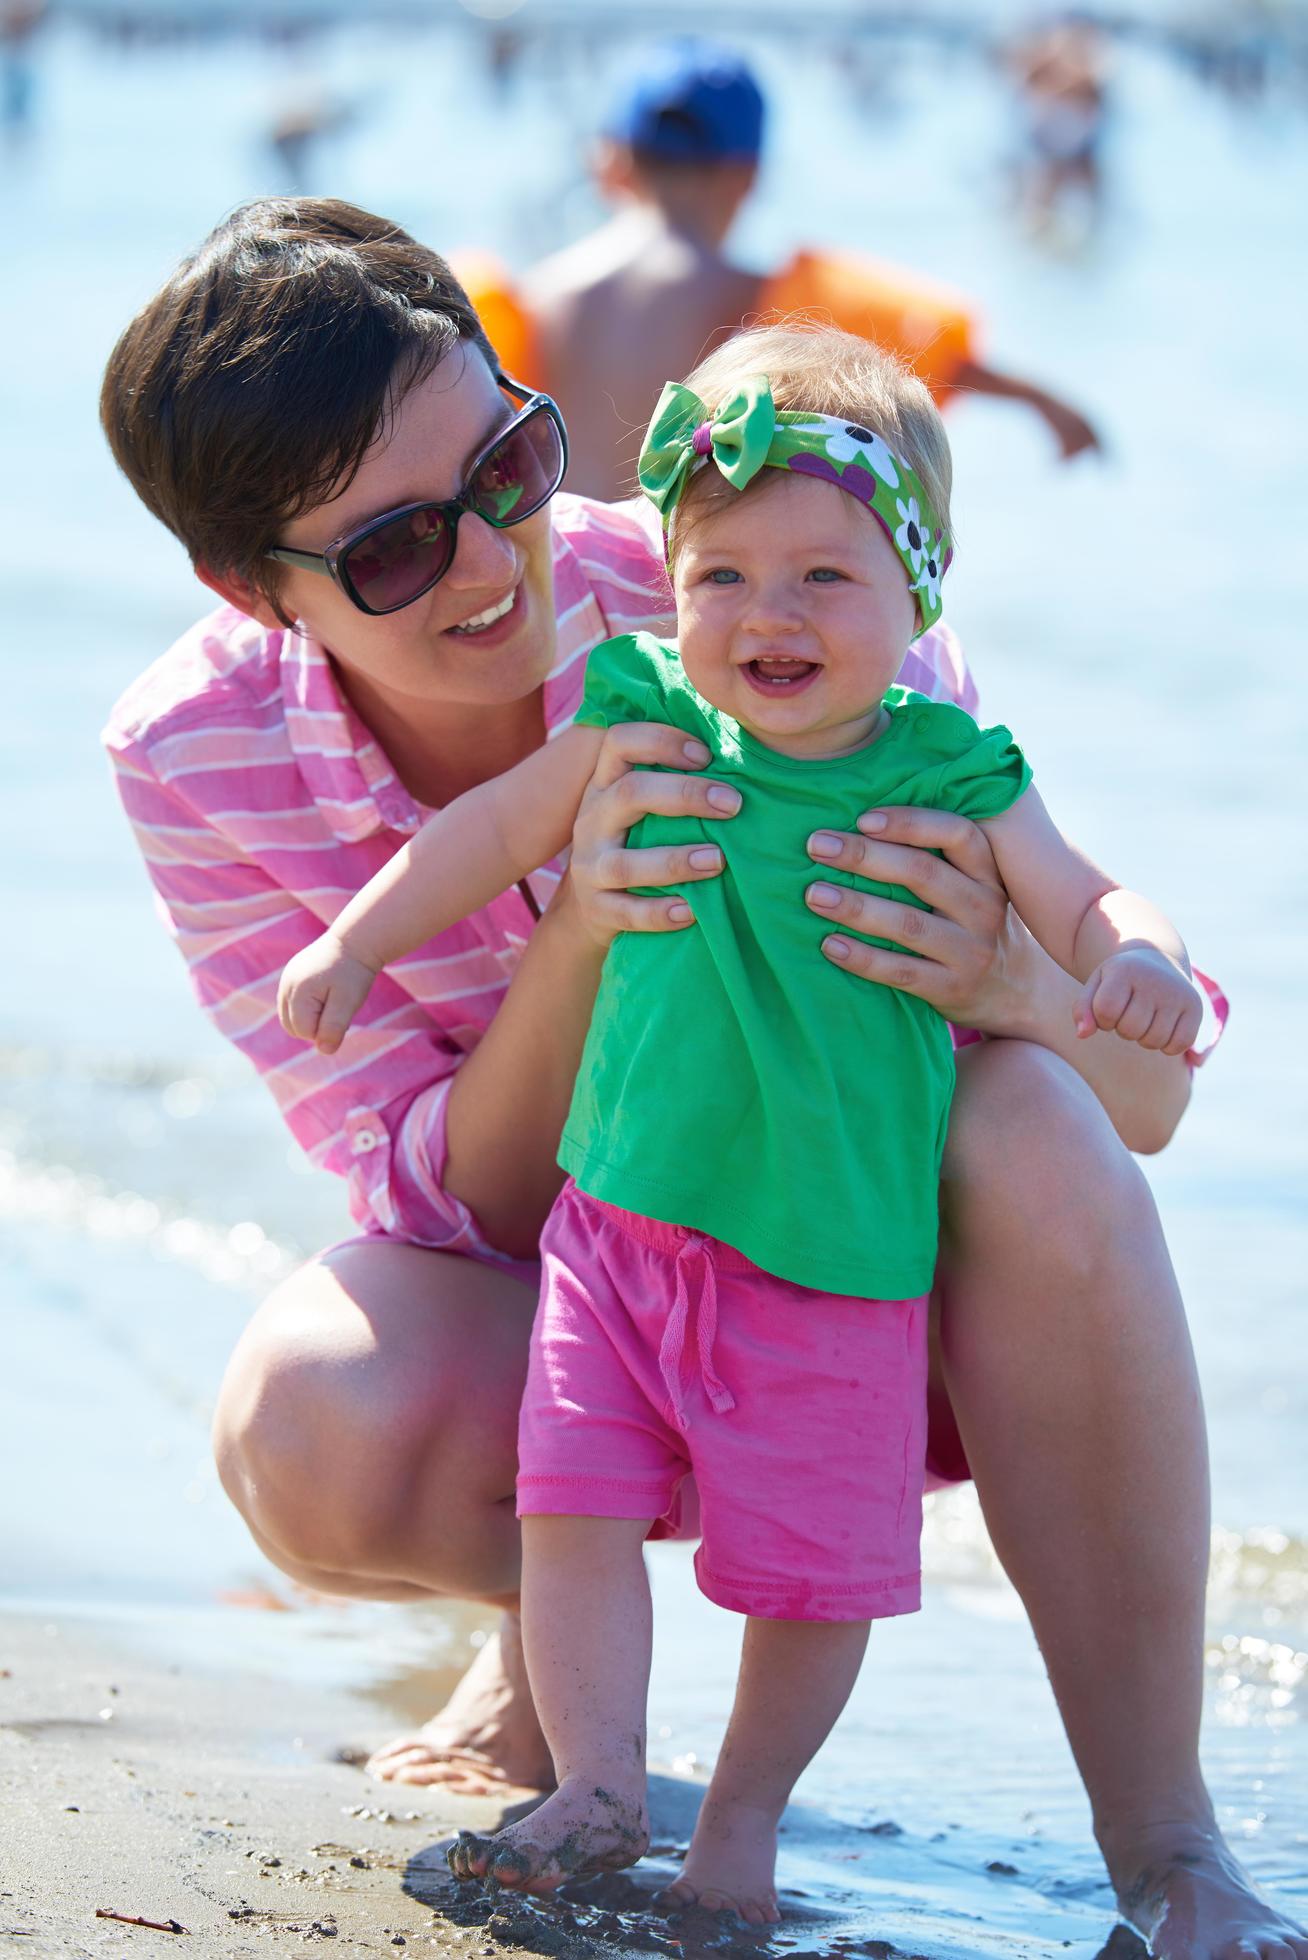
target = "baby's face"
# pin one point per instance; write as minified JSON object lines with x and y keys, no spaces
{"x":794,"y":614}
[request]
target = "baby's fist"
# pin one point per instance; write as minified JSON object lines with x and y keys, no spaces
{"x":1144,"y":997}
{"x":321,"y":991}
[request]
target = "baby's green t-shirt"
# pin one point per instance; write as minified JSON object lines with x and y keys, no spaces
{"x":734,"y":1080}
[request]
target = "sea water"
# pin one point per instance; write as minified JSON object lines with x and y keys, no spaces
{"x":1139,"y":621}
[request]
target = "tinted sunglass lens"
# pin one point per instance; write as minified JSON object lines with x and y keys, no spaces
{"x":395,"y":564}
{"x":520,"y":473}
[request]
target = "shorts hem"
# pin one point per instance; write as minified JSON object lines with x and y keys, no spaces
{"x":765,"y":1599}
{"x":581,"y":1497}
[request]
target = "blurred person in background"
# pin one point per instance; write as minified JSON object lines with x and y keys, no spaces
{"x":19,"y":21}
{"x":299,"y":129}
{"x":1061,"y":74}
{"x":391,"y":634}
{"x":601,"y":323}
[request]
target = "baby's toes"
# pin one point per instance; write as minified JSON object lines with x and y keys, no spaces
{"x":514,"y":1867}
{"x":469,"y":1855}
{"x":679,"y":1893}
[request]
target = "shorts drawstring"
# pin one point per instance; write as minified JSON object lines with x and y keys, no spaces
{"x":672,"y":1349}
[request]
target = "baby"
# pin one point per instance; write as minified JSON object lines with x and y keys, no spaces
{"x":736,"y":1272}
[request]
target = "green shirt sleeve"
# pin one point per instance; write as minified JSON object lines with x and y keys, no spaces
{"x":976,"y":772}
{"x":624,"y":682}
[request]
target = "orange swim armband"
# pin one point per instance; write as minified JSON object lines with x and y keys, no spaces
{"x":501,"y":309}
{"x":930,"y":327}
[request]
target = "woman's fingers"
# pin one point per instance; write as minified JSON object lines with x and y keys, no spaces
{"x":962,"y":842}
{"x":624,"y":789}
{"x":671,"y":864}
{"x":622,"y":912}
{"x":882,"y":918}
{"x":928,"y":979}
{"x":971,"y":897}
{"x":633,"y":742}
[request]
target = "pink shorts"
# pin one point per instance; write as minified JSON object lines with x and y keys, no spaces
{"x":658,"y":1352}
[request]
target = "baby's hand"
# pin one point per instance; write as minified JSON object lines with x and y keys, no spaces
{"x":1144,"y":997}
{"x":321,"y":991}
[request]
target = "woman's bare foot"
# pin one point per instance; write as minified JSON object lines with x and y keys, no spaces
{"x":584,"y":1827}
{"x":731,"y":1864}
{"x":486,"y":1741}
{"x":1190,"y":1899}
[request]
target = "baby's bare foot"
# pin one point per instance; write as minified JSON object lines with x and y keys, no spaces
{"x":731,"y":1864}
{"x":1192,"y":1900}
{"x":584,"y":1827}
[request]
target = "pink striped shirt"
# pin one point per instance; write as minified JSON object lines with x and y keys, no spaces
{"x":261,"y":804}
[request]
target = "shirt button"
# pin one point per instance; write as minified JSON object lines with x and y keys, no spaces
{"x":363,"y":1141}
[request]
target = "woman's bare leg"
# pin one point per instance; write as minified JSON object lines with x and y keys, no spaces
{"x":795,"y":1678}
{"x":367,"y":1432}
{"x":586,"y":1629}
{"x":1065,"y":1352}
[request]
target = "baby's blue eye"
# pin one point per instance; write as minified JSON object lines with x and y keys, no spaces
{"x":825,"y":573}
{"x":723,"y":575}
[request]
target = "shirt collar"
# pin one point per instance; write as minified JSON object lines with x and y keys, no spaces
{"x":345,"y":768}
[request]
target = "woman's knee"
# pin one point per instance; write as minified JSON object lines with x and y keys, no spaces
{"x":358,"y":1383}
{"x":1031,"y":1151}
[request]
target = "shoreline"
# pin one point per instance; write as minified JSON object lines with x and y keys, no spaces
{"x":232,"y":1803}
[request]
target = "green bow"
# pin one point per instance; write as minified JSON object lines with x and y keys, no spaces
{"x":739,"y":438}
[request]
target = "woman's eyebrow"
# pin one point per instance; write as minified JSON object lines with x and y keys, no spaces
{"x":363,"y":518}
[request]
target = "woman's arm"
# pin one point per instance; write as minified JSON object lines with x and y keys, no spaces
{"x":978,"y":963}
{"x":464,"y":856}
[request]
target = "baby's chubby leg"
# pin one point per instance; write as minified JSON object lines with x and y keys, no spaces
{"x":586,"y":1634}
{"x":795,"y":1678}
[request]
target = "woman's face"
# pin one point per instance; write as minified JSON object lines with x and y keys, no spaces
{"x":433,"y":651}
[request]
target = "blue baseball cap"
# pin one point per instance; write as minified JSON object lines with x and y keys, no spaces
{"x":690,"y":101}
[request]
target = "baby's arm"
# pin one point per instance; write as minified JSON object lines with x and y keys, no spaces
{"x":1131,"y":958}
{"x":464,"y":856}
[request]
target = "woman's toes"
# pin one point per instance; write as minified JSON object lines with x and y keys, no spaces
{"x":677,"y":1894}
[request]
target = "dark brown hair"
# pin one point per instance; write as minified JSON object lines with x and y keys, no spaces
{"x":252,"y":385}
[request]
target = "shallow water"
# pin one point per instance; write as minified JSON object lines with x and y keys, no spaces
{"x":1130,"y":618}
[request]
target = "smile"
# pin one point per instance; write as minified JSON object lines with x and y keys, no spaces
{"x":780,"y":676}
{"x":480,"y":621}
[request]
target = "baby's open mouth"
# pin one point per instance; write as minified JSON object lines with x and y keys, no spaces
{"x":771,"y":676}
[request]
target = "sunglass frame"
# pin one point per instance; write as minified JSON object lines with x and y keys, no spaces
{"x":331,"y":562}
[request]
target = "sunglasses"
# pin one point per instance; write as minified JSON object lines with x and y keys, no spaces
{"x":393,"y":559}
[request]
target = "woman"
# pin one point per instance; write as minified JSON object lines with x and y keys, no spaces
{"x":310,"y":373}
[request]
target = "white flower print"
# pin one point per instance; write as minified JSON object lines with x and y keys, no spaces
{"x":853,"y":444}
{"x":912,"y":537}
{"x":928,"y":580}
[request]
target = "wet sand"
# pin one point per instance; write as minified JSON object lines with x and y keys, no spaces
{"x":229,"y":1811}
{"x":224,"y":1806}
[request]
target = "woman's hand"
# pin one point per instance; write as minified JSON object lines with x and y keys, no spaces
{"x":320,"y":992}
{"x":976,"y":960}
{"x":619,"y":794}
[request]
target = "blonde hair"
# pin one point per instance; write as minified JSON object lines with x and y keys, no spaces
{"x":821,"y":369}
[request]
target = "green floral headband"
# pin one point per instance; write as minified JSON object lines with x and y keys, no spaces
{"x":749,"y":433}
